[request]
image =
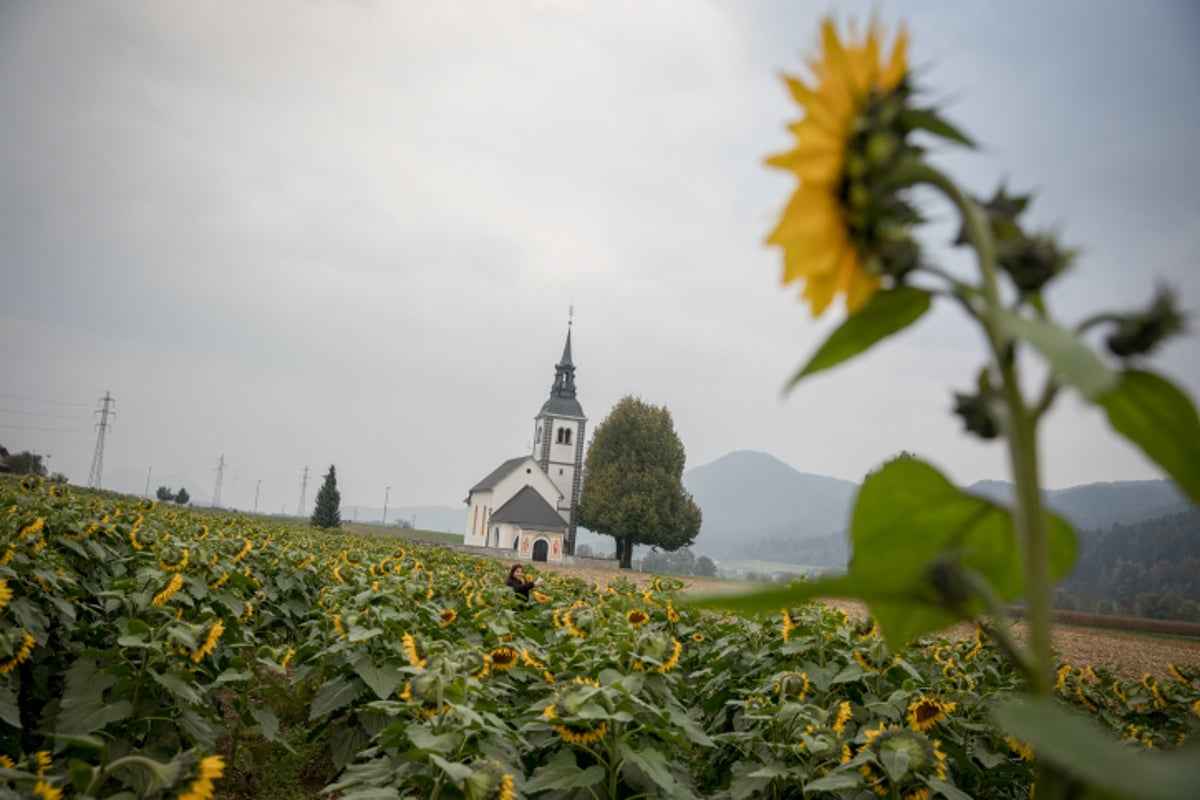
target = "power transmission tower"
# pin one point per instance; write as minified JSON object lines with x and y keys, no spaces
{"x":217,"y":489}
{"x":95,"y":476}
{"x":303,"y":489}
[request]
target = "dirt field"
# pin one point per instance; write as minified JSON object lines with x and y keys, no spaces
{"x":1127,"y":654}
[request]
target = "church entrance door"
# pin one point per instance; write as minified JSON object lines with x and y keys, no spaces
{"x":539,"y":550}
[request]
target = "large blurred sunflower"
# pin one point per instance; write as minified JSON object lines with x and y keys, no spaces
{"x":841,"y":231}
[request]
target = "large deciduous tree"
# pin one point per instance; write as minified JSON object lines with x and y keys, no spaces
{"x":631,"y":488}
{"x":327,"y":513}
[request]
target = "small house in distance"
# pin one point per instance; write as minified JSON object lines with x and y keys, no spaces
{"x":525,"y":508}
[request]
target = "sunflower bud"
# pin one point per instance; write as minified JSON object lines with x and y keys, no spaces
{"x":950,"y":586}
{"x":1033,"y":262}
{"x":1138,"y":334}
{"x":978,"y":410}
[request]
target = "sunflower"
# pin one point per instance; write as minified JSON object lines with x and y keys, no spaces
{"x":170,"y":589}
{"x":924,"y":760}
{"x":60,"y":491}
{"x":1024,"y":751}
{"x":44,"y":791}
{"x":844,"y":715}
{"x":447,"y":617}
{"x":788,"y":625}
{"x":41,"y":762}
{"x":22,"y":654}
{"x":210,"y":642}
{"x":412,"y":651}
{"x":637,"y":617}
{"x":672,"y":614}
{"x":843,"y":228}
{"x":697,"y":637}
{"x":503,"y":658}
{"x":201,"y":785}
{"x":6,"y":594}
{"x":792,"y":684}
{"x":925,"y":712}
{"x":506,"y":788}
{"x":562,"y":708}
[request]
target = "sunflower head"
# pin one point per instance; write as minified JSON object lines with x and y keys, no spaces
{"x":792,"y":684}
{"x":447,"y":617}
{"x":637,"y":617}
{"x":30,"y":483}
{"x":503,"y":658}
{"x":847,"y":228}
{"x":925,"y":712}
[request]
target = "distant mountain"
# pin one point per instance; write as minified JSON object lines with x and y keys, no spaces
{"x":748,"y":496}
{"x":424,"y":518}
{"x":1099,"y":506}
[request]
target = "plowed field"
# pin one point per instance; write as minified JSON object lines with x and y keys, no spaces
{"x":1128,"y":654}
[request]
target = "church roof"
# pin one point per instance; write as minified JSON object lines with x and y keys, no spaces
{"x":530,"y":510}
{"x":498,"y":474}
{"x":562,"y":402}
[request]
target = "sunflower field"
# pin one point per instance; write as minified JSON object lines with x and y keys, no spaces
{"x":149,"y":651}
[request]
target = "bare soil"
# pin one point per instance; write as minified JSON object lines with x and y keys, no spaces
{"x":1128,"y":654}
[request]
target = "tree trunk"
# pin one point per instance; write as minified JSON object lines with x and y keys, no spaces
{"x":625,"y":551}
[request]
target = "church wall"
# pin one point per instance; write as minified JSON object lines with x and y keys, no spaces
{"x":479,"y":508}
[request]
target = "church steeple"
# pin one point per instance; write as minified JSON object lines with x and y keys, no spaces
{"x":559,"y":430}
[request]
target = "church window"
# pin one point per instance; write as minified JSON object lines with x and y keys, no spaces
{"x":564,"y":435}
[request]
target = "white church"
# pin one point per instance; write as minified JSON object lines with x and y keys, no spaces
{"x":526,"y":507}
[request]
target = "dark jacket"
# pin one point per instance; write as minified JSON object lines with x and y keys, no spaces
{"x":520,"y":587}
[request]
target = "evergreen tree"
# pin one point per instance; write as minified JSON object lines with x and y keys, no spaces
{"x":632,"y":487}
{"x":327,"y":513}
{"x":182,"y":497}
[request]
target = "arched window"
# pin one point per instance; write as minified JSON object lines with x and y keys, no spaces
{"x":564,"y":435}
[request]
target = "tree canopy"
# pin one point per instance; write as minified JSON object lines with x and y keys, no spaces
{"x":632,"y":487}
{"x":327,"y":513}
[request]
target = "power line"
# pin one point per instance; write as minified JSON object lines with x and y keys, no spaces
{"x":95,"y":476}
{"x":44,"y":400}
{"x":44,"y":430}
{"x":38,"y":414}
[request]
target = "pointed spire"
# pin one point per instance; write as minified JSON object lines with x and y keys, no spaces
{"x":562,"y":400}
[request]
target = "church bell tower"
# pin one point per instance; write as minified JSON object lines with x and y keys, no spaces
{"x":558,"y":440}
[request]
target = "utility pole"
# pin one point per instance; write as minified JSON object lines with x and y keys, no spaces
{"x":96,"y":474}
{"x":220,"y":474}
{"x":257,"y":486}
{"x":148,"y":471}
{"x":385,"y":499}
{"x":303,"y":490}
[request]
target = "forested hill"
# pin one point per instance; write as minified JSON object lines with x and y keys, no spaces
{"x":1098,"y":506}
{"x":1146,"y":569}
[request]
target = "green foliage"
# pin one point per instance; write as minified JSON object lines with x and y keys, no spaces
{"x":165,"y":494}
{"x":327,"y":511}
{"x":396,"y":671}
{"x":632,"y":489}
{"x":25,"y":463}
{"x":182,"y":497}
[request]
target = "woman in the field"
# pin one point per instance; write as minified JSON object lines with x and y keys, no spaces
{"x":516,"y":581}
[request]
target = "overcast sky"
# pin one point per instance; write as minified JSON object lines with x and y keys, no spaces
{"x":297,"y":234}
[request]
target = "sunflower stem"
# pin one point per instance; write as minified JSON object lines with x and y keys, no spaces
{"x":1021,"y":432}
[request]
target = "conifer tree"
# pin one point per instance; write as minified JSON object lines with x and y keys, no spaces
{"x":327,"y":513}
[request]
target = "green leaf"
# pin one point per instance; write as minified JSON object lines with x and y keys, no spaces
{"x":895,"y":763}
{"x":654,"y":765}
{"x":10,"y":712}
{"x":949,"y":791}
{"x":83,"y":709}
{"x":561,"y":772}
{"x":835,"y":782}
{"x":457,"y":772}
{"x":927,"y":119}
{"x":884,"y":314}
{"x":81,"y":774}
{"x":334,"y":694}
{"x":1073,"y":362}
{"x":177,"y":684}
{"x":425,"y":740}
{"x":913,"y":535}
{"x":1161,"y":420}
{"x":1076,"y":745}
{"x":344,"y":745}
{"x":382,"y":680}
{"x":268,"y":724}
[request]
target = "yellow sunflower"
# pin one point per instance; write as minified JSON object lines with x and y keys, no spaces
{"x":201,"y":785}
{"x":170,"y":589}
{"x":447,"y":617}
{"x":44,"y":791}
{"x":830,"y":226}
{"x":844,"y":714}
{"x":210,"y":642}
{"x":503,"y":658}
{"x":5,"y":593}
{"x":412,"y":651}
{"x":925,"y":712}
{"x":637,"y":617}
